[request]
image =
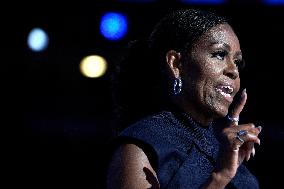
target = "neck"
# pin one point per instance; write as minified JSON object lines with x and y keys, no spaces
{"x":194,"y":112}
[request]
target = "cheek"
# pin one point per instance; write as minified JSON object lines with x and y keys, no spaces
{"x":209,"y":67}
{"x":204,"y":76}
{"x":209,"y":76}
{"x":210,"y":97}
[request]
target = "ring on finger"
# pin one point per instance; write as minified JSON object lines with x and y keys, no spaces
{"x":235,"y":120}
{"x":241,"y":133}
{"x":240,"y":139}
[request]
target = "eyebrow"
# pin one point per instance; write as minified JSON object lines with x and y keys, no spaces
{"x":226,"y":46}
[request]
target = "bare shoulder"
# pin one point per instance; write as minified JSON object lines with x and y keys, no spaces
{"x":130,"y":168}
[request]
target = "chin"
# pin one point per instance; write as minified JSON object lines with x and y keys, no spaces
{"x":220,"y":111}
{"x":217,"y":107}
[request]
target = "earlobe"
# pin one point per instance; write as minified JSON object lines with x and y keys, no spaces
{"x":174,"y":63}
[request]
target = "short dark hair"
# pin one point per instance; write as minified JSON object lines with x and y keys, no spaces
{"x":140,"y":81}
{"x":179,"y":29}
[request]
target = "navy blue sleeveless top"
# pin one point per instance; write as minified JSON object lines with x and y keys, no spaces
{"x":185,"y":152}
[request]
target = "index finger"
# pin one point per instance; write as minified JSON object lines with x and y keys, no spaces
{"x":240,"y":105}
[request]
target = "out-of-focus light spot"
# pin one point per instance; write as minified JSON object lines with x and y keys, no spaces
{"x":37,"y":40}
{"x":273,"y":2}
{"x":93,"y":66}
{"x":204,"y":2}
{"x":113,"y":26}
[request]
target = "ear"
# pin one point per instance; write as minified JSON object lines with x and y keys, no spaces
{"x":173,"y":59}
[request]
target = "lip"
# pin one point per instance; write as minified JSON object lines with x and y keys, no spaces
{"x":226,"y":90}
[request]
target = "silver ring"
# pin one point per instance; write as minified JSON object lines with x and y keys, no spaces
{"x":233,"y":119}
{"x":240,"y":139}
{"x":241,"y":133}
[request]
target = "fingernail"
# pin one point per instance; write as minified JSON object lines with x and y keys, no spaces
{"x":253,"y":152}
{"x":244,"y":92}
{"x":260,"y":128}
{"x":258,"y":142}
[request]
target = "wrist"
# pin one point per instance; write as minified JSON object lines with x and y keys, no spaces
{"x":217,"y":180}
{"x":220,"y":179}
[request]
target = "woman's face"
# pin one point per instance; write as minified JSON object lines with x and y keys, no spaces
{"x":210,"y":75}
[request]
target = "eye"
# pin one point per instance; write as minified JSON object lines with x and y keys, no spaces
{"x":220,"y":55}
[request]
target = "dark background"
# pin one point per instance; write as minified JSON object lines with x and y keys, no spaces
{"x":57,"y":123}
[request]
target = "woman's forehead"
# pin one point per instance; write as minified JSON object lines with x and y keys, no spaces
{"x":219,"y":34}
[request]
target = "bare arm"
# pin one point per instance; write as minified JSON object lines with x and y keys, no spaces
{"x":130,"y":169}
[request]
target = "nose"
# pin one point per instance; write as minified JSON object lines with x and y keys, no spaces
{"x":231,"y":70}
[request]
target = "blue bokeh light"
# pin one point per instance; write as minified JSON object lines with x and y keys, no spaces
{"x":113,"y":26}
{"x":273,"y":2}
{"x":204,"y":2}
{"x":37,"y":40}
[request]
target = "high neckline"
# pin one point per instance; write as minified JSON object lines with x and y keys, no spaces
{"x":203,"y":137}
{"x":180,"y":111}
{"x":200,"y":131}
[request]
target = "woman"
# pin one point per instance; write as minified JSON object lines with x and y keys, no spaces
{"x":188,"y":78}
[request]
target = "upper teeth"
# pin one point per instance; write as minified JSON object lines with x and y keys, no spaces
{"x":227,"y":89}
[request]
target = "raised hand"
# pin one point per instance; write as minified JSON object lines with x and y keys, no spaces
{"x":238,"y":141}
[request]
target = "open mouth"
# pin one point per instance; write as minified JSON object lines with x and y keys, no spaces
{"x":225,"y":90}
